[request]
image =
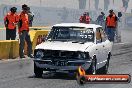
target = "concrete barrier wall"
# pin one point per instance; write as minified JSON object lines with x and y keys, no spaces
{"x":3,"y":31}
{"x":10,"y":48}
{"x":34,"y":36}
{"x":4,"y":49}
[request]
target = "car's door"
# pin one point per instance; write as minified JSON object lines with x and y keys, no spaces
{"x":99,"y":48}
{"x":105,"y":44}
{"x":103,"y":47}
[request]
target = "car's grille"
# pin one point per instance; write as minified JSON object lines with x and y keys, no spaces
{"x":63,"y":58}
{"x":60,"y":54}
{"x":63,"y":55}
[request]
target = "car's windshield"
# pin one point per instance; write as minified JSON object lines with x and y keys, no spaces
{"x":71,"y":34}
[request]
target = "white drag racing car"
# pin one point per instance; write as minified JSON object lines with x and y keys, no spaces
{"x":70,"y":45}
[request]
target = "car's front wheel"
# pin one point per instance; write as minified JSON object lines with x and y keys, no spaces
{"x":80,"y":79}
{"x":37,"y":71}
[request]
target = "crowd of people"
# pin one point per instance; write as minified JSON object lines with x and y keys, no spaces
{"x":109,"y":23}
{"x":23,"y":21}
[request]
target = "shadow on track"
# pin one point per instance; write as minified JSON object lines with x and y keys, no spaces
{"x":53,"y":75}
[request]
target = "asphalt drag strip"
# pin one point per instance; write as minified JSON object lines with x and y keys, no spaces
{"x":18,"y":73}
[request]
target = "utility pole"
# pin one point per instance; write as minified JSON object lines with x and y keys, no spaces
{"x":113,"y":2}
{"x":82,"y":4}
{"x":40,"y":1}
{"x":89,"y":4}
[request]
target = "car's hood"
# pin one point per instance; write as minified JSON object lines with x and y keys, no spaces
{"x":68,"y":46}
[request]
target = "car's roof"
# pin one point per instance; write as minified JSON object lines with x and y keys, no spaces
{"x":77,"y":25}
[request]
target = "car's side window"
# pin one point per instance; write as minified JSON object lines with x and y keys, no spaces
{"x":103,"y":35}
{"x":98,"y":36}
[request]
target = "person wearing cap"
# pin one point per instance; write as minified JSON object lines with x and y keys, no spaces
{"x":24,"y":32}
{"x":85,"y":18}
{"x":111,"y":24}
{"x":101,"y":19}
{"x":10,"y":21}
{"x":30,"y":16}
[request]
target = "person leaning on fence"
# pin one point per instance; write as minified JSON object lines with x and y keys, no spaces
{"x":10,"y":21}
{"x":23,"y":26}
{"x":111,"y":24}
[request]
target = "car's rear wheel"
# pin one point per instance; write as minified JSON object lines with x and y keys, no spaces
{"x":37,"y":71}
{"x":94,"y":63}
{"x":104,"y":69}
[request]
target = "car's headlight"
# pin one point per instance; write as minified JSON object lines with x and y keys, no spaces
{"x":83,"y":55}
{"x":39,"y":54}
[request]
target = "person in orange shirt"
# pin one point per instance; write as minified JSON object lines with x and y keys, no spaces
{"x":23,"y":29}
{"x":10,"y":21}
{"x":111,"y":25}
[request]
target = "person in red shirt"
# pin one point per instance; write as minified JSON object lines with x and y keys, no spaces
{"x":85,"y":18}
{"x":23,"y":29}
{"x":10,"y":21}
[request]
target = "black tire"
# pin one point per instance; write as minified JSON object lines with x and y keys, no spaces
{"x":37,"y":71}
{"x":104,"y":69}
{"x":92,"y":69}
{"x":80,"y":79}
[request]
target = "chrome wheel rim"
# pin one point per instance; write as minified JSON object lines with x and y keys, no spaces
{"x":94,"y":70}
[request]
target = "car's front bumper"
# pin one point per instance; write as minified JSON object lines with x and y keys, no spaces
{"x":47,"y":67}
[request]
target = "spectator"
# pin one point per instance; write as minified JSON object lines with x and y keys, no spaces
{"x":30,"y":17}
{"x":111,"y":25}
{"x":85,"y":18}
{"x":10,"y":21}
{"x":101,"y":19}
{"x":23,"y":32}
